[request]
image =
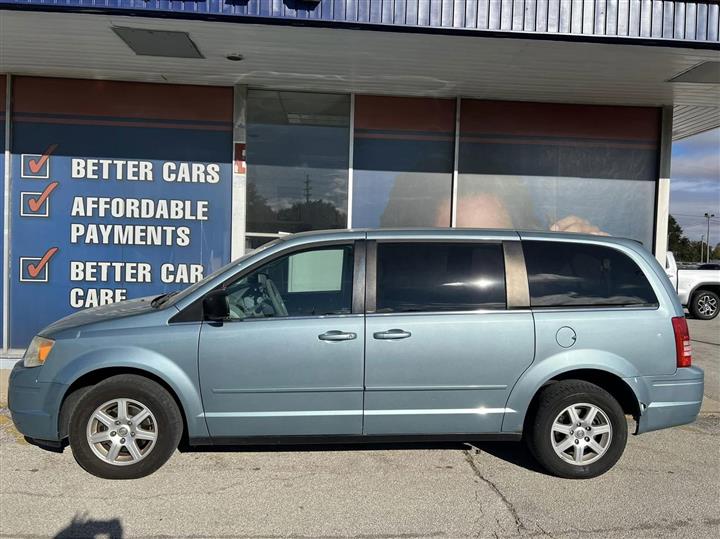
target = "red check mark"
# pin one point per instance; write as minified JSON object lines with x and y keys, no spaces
{"x":35,"y":269}
{"x":36,"y":203}
{"x":37,"y":165}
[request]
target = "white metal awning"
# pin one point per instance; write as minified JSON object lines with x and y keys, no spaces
{"x":345,"y":60}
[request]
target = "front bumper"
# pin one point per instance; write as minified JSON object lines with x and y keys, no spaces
{"x":667,"y":401}
{"x":34,"y":406}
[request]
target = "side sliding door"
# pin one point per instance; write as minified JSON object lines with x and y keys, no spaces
{"x":443,"y":346}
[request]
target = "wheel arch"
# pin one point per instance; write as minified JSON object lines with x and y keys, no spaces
{"x":84,"y":382}
{"x":613,"y":374}
{"x":712,"y":287}
{"x":613,"y":384}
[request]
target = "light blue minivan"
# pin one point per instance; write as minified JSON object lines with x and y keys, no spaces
{"x":374,"y":335}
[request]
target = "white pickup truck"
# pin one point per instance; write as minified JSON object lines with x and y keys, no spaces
{"x":698,"y":289}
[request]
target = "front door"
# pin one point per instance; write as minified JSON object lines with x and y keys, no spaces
{"x":442,"y":349}
{"x":289,"y":361}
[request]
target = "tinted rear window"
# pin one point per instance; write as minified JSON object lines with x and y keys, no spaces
{"x":575,"y":274}
{"x":439,"y":277}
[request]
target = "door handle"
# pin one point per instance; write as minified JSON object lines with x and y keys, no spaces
{"x":336,"y":335}
{"x":392,"y":334}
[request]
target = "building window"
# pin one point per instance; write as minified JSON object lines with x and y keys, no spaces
{"x":297,"y":155}
{"x":403,"y":161}
{"x":568,"y":168}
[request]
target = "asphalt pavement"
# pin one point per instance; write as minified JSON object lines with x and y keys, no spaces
{"x":666,"y":485}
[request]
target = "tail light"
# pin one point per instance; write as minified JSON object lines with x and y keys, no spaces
{"x":683,"y":349}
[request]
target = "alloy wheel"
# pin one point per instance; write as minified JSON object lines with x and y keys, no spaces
{"x":581,"y":434}
{"x":122,"y":431}
{"x":707,"y":305}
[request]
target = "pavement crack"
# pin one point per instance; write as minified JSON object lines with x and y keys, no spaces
{"x":519,"y":525}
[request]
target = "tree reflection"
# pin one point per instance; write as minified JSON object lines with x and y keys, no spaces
{"x":300,"y":216}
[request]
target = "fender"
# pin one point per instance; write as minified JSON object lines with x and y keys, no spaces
{"x":142,"y":359}
{"x":709,"y":284}
{"x":538,"y":374}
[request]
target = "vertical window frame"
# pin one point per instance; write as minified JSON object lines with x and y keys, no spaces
{"x":517,"y":286}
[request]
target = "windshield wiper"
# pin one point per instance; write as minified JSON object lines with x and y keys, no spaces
{"x":162,"y":298}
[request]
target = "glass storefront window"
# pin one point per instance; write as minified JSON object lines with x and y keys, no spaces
{"x":298,"y":160}
{"x":568,"y":168}
{"x":528,"y":166}
{"x":403,"y":161}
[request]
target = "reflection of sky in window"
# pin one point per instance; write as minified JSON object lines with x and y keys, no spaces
{"x":372,"y":190}
{"x":477,"y":283}
{"x":281,"y":157}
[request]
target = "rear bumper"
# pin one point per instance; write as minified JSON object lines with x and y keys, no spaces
{"x":34,"y":406}
{"x":667,"y":401}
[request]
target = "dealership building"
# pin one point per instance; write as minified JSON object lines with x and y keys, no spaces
{"x":149,"y":142}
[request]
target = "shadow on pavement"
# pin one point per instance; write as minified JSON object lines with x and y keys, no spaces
{"x":84,"y":527}
{"x":512,"y":452}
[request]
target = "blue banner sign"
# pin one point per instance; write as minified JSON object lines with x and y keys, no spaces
{"x":107,"y":208}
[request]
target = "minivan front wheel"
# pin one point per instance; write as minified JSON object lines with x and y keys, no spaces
{"x":125,"y":427}
{"x":578,"y":430}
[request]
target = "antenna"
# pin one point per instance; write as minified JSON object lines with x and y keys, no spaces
{"x":307,"y":189}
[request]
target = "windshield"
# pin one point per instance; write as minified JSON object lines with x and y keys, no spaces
{"x":175,"y":297}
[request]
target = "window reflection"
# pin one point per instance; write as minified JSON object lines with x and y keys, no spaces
{"x":564,"y":168}
{"x":434,"y":276}
{"x":587,"y":205}
{"x":403,"y":161}
{"x":297,"y":155}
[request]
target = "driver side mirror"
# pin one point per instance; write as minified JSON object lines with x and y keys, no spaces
{"x":215,"y":306}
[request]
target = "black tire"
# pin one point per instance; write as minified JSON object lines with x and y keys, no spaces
{"x":705,"y":305}
{"x":155,"y":398}
{"x":552,"y":401}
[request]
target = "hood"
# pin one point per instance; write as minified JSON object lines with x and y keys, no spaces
{"x":113,"y":311}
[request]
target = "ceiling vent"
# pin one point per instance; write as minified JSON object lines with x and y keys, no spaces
{"x":146,"y":42}
{"x":704,"y":73}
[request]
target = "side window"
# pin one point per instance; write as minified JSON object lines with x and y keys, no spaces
{"x":575,"y":274}
{"x":307,"y":283}
{"x":434,"y":276}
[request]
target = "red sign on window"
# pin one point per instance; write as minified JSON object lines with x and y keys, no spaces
{"x":240,"y":167}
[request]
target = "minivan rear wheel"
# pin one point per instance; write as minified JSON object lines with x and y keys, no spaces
{"x":125,"y":427}
{"x":578,"y":431}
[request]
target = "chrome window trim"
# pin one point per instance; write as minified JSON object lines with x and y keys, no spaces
{"x":464,"y":313}
{"x":602,"y":308}
{"x":272,"y":318}
{"x":441,"y":239}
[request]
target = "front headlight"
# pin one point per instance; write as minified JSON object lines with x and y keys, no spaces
{"x":38,"y":351}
